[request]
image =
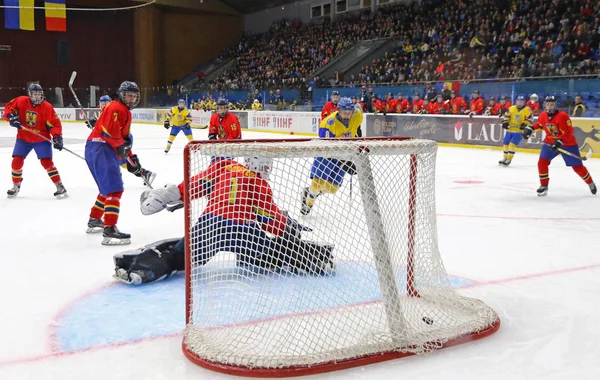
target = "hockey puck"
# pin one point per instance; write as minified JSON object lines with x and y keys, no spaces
{"x":428,"y":320}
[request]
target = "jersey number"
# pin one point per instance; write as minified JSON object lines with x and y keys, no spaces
{"x":233,"y":188}
{"x":116,"y":116}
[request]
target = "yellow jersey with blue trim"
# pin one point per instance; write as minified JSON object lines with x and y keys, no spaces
{"x":332,"y":126}
{"x":516,"y":117}
{"x":179,"y":117}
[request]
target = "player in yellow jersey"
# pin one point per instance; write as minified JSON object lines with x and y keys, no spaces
{"x":515,"y":119}
{"x":327,"y":174}
{"x":179,"y":119}
{"x":256,"y":106}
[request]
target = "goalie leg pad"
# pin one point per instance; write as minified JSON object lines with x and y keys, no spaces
{"x":151,"y":263}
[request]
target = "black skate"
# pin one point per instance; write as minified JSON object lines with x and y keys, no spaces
{"x":542,"y":191}
{"x":61,"y":192}
{"x":505,"y":162}
{"x":11,"y":193}
{"x":322,"y":265}
{"x":305,"y":207}
{"x":95,"y":226}
{"x":112,"y":236}
{"x":593,"y":188}
{"x":148,"y":177}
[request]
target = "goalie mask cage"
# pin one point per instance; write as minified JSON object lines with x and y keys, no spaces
{"x":389,"y":297}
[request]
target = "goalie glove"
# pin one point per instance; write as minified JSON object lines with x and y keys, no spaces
{"x":153,"y":201}
{"x":348,"y":167}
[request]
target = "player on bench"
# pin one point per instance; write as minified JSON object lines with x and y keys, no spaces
{"x":240,"y":217}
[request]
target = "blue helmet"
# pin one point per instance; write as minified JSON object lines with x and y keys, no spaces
{"x":105,"y":98}
{"x":521,"y":97}
{"x":345,"y":104}
{"x":181,"y":101}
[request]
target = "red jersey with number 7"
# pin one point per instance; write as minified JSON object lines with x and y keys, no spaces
{"x":113,"y":125}
{"x":237,"y":194}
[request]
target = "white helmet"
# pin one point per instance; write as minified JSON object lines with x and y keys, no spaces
{"x":534,"y":98}
{"x":260,"y":165}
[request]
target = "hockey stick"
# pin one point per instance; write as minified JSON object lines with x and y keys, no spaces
{"x":50,"y":141}
{"x":565,"y":152}
{"x":71,"y":81}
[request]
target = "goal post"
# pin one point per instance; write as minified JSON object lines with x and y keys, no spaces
{"x":389,"y":296}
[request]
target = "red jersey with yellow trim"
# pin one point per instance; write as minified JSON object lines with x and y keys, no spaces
{"x":41,"y":118}
{"x":440,"y":108}
{"x":506,"y":106}
{"x":226,"y":128}
{"x":534,"y":107}
{"x":558,"y":126}
{"x":328,"y":109}
{"x":238,"y":194}
{"x":417,"y":106}
{"x":496,"y":109}
{"x":391,"y":105}
{"x":430,"y":108}
{"x":113,"y":125}
{"x":476,"y":106}
{"x":457,"y":105}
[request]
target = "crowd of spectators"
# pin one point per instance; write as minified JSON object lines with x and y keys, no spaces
{"x":438,"y":40}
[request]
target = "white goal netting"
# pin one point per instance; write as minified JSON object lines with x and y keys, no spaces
{"x":255,"y":303}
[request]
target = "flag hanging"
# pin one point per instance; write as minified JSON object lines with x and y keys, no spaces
{"x":56,"y":15}
{"x":19,"y":18}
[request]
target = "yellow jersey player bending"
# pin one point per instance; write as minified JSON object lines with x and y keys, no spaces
{"x":515,"y":119}
{"x":180,"y":120}
{"x":327,"y":174}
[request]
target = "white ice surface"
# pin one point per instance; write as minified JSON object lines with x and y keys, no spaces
{"x":534,"y":260}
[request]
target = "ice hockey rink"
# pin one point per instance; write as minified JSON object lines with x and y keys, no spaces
{"x":533,"y":260}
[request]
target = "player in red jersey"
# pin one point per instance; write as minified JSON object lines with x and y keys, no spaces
{"x":457,"y":104}
{"x":493,"y":108}
{"x":223,"y":124}
{"x":108,"y":142}
{"x":476,"y":106}
{"x":505,"y":103}
{"x":331,"y":106}
{"x":533,"y":104}
{"x":239,"y":214}
{"x":429,"y":107}
{"x":417,"y":105}
{"x":559,"y":139}
{"x":36,"y":114}
{"x":402,"y":105}
{"x":440,"y":106}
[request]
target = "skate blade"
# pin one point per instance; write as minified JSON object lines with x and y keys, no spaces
{"x":542,"y":194}
{"x":114,"y":241}
{"x":11,"y":196}
{"x":62,"y":196}
{"x":94,"y":230}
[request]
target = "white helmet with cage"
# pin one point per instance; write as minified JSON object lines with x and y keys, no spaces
{"x":260,"y":165}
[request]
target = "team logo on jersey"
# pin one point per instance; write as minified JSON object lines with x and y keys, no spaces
{"x":552,"y":128}
{"x":31,"y":118}
{"x":517,"y":117}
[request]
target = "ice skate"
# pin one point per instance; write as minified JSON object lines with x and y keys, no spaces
{"x":148,"y":177}
{"x":505,"y":162}
{"x":61,"y":192}
{"x":95,"y":226}
{"x":12,"y":192}
{"x":305,"y":207}
{"x":542,"y":191}
{"x":112,"y":236}
{"x":593,"y":188}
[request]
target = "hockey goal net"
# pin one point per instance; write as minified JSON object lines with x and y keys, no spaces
{"x":389,"y":296}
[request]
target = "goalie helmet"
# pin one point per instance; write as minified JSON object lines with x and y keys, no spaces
{"x":36,"y":94}
{"x":260,"y":165}
{"x":129,"y":94}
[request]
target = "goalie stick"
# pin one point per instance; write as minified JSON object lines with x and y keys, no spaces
{"x":84,"y":116}
{"x":566,"y":152}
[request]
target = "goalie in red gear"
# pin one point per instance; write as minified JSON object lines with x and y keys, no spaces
{"x":223,"y":124}
{"x":559,"y":140}
{"x":239,"y":214}
{"x":34,"y":113}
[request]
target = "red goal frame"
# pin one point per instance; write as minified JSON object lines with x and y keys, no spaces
{"x":263,"y":372}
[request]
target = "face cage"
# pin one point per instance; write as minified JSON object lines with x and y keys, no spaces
{"x":520,"y":103}
{"x":40,"y":93}
{"x":222,"y":110}
{"x":547,"y":107}
{"x":122,"y":95}
{"x":349,"y":117}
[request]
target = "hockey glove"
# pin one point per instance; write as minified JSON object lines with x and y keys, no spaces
{"x":348,"y":167}
{"x":58,"y":142}
{"x":91,"y":123}
{"x":527,"y":132}
{"x":134,"y":166}
{"x":153,"y":201}
{"x":505,"y":125}
{"x":523,"y":125}
{"x":558,"y":143}
{"x":167,"y":125}
{"x":14,"y":121}
{"x":123,"y":149}
{"x":212,"y":136}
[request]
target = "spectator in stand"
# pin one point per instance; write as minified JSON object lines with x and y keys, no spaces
{"x":533,"y":104}
{"x":457,"y":104}
{"x":476,"y":105}
{"x":579,"y":109}
{"x":505,"y":103}
{"x":417,"y":105}
{"x":493,"y":108}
